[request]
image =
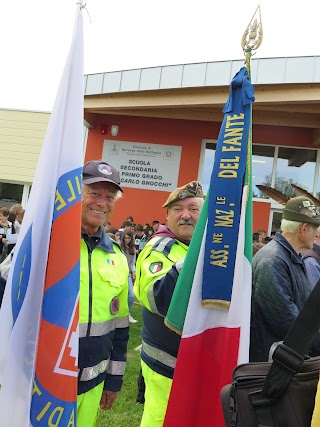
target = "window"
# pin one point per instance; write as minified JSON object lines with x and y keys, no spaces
{"x":210,"y":151}
{"x":295,"y":166}
{"x":276,"y":221}
{"x":262,"y":164}
{"x":10,"y":194}
{"x":317,"y":176}
{"x":275,"y":167}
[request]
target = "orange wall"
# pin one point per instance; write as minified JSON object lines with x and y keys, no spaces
{"x":145,"y":205}
{"x":282,"y":135}
{"x":261,"y":214}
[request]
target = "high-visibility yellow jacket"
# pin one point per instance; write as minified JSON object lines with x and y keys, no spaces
{"x":103,"y":317}
{"x":157,"y":272}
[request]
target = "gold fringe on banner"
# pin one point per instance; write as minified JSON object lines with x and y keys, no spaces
{"x":216,"y":303}
{"x":172,"y":328}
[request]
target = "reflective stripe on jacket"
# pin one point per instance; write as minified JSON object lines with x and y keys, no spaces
{"x":103,"y":317}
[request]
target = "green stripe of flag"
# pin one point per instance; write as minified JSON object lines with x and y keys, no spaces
{"x":181,"y":295}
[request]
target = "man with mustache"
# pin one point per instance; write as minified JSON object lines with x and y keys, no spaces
{"x":157,"y":271}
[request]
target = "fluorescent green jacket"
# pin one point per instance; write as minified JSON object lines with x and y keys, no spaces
{"x":103,"y":317}
{"x":156,"y":276}
{"x":153,"y":264}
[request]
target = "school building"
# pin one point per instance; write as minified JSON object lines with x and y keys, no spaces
{"x":159,"y":126}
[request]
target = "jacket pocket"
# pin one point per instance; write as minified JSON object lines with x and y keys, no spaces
{"x":115,"y":276}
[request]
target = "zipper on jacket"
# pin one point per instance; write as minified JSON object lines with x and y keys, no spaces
{"x":90,"y":292}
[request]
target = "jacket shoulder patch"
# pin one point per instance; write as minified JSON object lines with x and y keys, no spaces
{"x":155,"y":267}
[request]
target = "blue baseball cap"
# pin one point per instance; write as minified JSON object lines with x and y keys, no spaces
{"x":100,"y":171}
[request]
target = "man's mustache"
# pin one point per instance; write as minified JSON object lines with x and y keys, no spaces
{"x":186,"y":222}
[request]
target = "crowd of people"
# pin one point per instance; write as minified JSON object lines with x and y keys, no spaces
{"x":132,"y":238}
{"x":10,"y":223}
{"x":144,"y":261}
{"x":141,"y":233}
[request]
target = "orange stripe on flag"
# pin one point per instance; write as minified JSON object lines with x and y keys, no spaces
{"x":64,"y":246}
{"x":51,"y":339}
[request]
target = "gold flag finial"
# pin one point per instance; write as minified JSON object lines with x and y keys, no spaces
{"x":252,"y":37}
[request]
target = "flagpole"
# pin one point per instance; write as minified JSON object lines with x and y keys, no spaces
{"x":252,"y":37}
{"x":251,"y":40}
{"x":214,"y":315}
{"x":38,"y":372}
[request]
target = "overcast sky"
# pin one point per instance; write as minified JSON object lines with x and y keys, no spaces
{"x":36,"y":34}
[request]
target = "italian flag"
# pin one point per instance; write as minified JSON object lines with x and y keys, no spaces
{"x":214,"y":341}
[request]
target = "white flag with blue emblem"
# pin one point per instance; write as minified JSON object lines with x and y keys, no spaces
{"x":39,"y":314}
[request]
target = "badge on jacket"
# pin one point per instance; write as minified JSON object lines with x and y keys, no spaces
{"x":114,"y":305}
{"x":155,"y":267}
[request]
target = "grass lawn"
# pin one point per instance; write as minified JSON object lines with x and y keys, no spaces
{"x":125,"y":411}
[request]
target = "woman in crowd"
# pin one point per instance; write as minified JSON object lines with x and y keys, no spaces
{"x":17,"y":213}
{"x":148,"y":233}
{"x":6,"y":231}
{"x":127,"y":246}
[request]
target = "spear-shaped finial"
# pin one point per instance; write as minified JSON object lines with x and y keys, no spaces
{"x":252,"y":37}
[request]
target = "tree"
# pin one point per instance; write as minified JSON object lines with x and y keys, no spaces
{"x":284,"y":185}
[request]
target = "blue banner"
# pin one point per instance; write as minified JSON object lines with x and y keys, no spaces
{"x":225,"y":194}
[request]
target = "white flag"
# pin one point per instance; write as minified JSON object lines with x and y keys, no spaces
{"x":39,"y":314}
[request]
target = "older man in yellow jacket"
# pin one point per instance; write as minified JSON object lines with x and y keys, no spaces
{"x":157,"y":271}
{"x":103,"y":317}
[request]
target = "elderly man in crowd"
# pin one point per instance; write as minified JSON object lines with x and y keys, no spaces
{"x":280,"y":283}
{"x":158,"y":268}
{"x":103,"y":317}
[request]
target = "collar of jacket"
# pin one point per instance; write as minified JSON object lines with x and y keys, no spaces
{"x":105,"y":243}
{"x":284,"y":242}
